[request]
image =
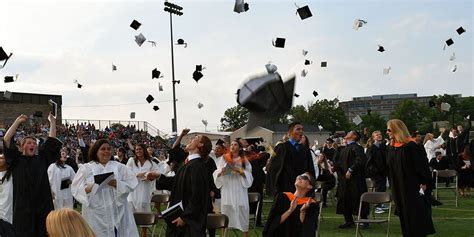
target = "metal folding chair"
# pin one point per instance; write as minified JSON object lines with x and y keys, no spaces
{"x":374,"y":198}
{"x":319,"y":197}
{"x":447,"y":174}
{"x":158,"y":199}
{"x":217,"y":221}
{"x":370,"y":184}
{"x":145,"y":220}
{"x":254,"y":198}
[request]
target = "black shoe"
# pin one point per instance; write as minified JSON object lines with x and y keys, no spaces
{"x":435,"y":202}
{"x":346,"y":225}
{"x":325,"y":205}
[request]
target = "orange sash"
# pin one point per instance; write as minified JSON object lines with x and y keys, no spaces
{"x":399,"y":144}
{"x":300,"y":201}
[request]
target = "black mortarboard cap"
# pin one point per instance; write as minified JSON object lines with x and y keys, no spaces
{"x":155,"y":73}
{"x":132,"y":115}
{"x":296,"y":95}
{"x":315,"y":93}
{"x":197,"y":75}
{"x":449,"y":42}
{"x":246,"y":6}
{"x":220,"y":142}
{"x":7,"y":94}
{"x":307,"y":62}
{"x":149,"y":98}
{"x":304,"y":12}
{"x":460,"y":30}
{"x":79,"y":85}
{"x":324,"y":64}
{"x":180,"y":41}
{"x":198,"y":67}
{"x":135,"y":24}
{"x":381,"y":48}
{"x":140,"y":39}
{"x":4,"y":56}
{"x":279,"y":42}
{"x":266,"y":97}
{"x":9,"y":79}
{"x":155,"y":108}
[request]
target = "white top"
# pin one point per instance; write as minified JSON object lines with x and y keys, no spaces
{"x":431,"y":146}
{"x":6,"y":198}
{"x":141,"y":196}
{"x":108,"y":207}
{"x":56,"y":175}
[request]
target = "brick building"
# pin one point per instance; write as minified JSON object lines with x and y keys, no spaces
{"x":28,"y":104}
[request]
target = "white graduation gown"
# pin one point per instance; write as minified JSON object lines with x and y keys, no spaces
{"x":140,"y":198}
{"x":234,"y":195}
{"x":6,"y":198}
{"x":108,"y":207}
{"x":431,"y":147}
{"x":62,"y":198}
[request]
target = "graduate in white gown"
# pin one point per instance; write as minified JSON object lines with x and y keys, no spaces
{"x":234,"y":177}
{"x":146,"y":172}
{"x":60,"y":177}
{"x":106,"y":209}
{"x":6,"y":191}
{"x":431,"y":144}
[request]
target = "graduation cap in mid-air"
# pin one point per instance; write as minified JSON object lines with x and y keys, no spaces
{"x":445,"y":107}
{"x":160,"y":87}
{"x":387,"y":70}
{"x":181,"y":42}
{"x":135,"y":24}
{"x":156,"y":108}
{"x":4,"y":57}
{"x":324,"y":64}
{"x":114,"y":68}
{"x":78,"y":84}
{"x":304,"y":12}
{"x":149,"y":98}
{"x":357,"y":120}
{"x":304,"y":73}
{"x":304,"y":52}
{"x":200,"y":105}
{"x":296,"y":95}
{"x":132,"y":115}
{"x":266,"y":97}
{"x":358,"y":23}
{"x":460,"y":30}
{"x":197,"y":74}
{"x":9,"y":79}
{"x":381,"y":49}
{"x":279,"y":42}
{"x":140,"y":39}
{"x":315,"y":93}
{"x":449,"y":42}
{"x":7,"y":95}
{"x":307,"y":62}
{"x":204,"y":122}
{"x":455,"y":68}
{"x":452,"y":57}
{"x":156,"y":74}
{"x":241,"y":6}
{"x":271,"y":68}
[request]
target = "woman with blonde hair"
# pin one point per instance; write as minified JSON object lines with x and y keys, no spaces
{"x":67,"y":222}
{"x":409,"y":176}
{"x":431,"y":144}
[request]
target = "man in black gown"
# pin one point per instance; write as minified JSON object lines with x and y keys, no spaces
{"x":32,"y":200}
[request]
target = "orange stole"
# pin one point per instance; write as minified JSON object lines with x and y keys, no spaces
{"x":300,"y":201}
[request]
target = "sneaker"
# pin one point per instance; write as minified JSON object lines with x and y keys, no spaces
{"x":379,"y":210}
{"x":385,"y":207}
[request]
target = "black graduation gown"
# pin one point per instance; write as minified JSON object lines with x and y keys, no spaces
{"x":191,"y":187}
{"x":376,"y":167}
{"x":292,"y":227}
{"x":351,"y":156}
{"x":286,"y":166}
{"x":211,"y":167}
{"x":408,"y":168}
{"x":32,"y":200}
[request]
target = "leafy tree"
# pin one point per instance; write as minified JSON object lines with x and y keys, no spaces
{"x":416,"y":116}
{"x":373,"y":122}
{"x":234,"y":118}
{"x":327,"y":114}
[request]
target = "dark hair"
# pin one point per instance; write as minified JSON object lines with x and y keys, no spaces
{"x":206,"y":148}
{"x":145,"y":154}
{"x":357,"y":135}
{"x":306,"y":140}
{"x":60,"y":164}
{"x":292,"y":125}
{"x":416,"y":133}
{"x":92,"y":156}
{"x":121,"y":149}
{"x":8,"y":173}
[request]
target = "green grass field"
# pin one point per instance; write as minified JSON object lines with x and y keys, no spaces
{"x":449,"y":220}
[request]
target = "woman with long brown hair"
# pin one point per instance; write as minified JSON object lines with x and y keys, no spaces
{"x":234,"y":179}
{"x":146,"y":171}
{"x":409,"y":176}
{"x":105,"y":206}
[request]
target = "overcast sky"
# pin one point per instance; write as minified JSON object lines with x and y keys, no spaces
{"x":56,"y":42}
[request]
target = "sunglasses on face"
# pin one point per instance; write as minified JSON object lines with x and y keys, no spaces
{"x":389,"y":130}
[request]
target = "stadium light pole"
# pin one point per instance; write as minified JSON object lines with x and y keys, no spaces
{"x":173,"y":9}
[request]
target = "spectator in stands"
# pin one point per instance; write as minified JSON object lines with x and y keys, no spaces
{"x":287,"y":217}
{"x":409,"y":176}
{"x":67,"y":222}
{"x":114,"y":216}
{"x":60,"y":177}
{"x":234,"y":179}
{"x":32,"y":200}
{"x":146,"y":172}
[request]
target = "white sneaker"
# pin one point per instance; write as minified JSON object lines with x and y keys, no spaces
{"x":379,"y":210}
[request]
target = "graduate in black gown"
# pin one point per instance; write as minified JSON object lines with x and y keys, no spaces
{"x":32,"y":200}
{"x":409,"y":176}
{"x":288,"y":213}
{"x":190,"y":186}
